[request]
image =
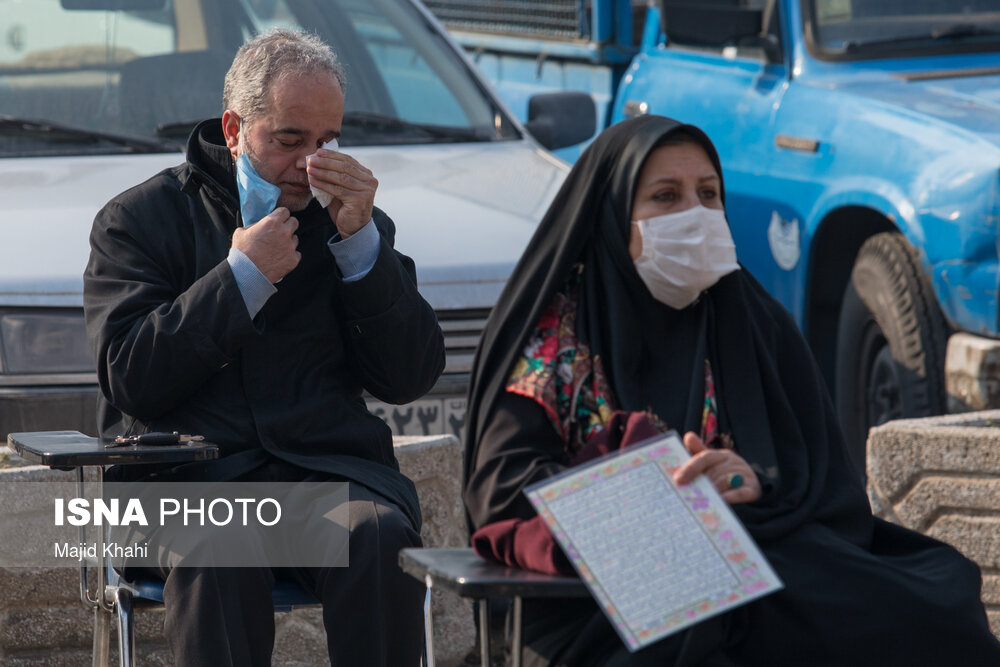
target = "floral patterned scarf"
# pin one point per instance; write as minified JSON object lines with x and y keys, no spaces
{"x":560,"y":374}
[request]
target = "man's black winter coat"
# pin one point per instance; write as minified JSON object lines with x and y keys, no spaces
{"x":176,"y":348}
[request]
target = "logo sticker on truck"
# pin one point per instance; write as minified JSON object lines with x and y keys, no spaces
{"x":783,"y":237}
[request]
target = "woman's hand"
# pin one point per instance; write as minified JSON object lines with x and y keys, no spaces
{"x":719,"y":465}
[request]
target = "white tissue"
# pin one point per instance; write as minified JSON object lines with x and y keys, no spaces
{"x":324,"y":198}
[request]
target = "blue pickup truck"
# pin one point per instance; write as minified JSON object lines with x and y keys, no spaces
{"x":860,"y":141}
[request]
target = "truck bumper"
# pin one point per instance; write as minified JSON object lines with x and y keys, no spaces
{"x":972,"y":373}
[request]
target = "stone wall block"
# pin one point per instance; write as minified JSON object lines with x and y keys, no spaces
{"x":300,"y":639}
{"x":435,"y":466}
{"x":31,"y":629}
{"x":49,"y":658}
{"x":941,"y":476}
{"x":148,"y":627}
{"x":978,"y":537}
{"x":991,"y":589}
{"x":26,"y":587}
{"x":991,"y":598}
{"x":923,"y":504}
{"x":901,"y":452}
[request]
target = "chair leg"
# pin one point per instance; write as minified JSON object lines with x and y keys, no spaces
{"x":484,"y":633}
{"x":102,"y":637}
{"x":126,"y":627}
{"x":428,"y":657}
{"x":517,"y":639}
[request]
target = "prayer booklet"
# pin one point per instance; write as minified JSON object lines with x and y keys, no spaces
{"x":657,"y":557}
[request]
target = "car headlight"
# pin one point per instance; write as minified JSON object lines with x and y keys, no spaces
{"x":52,"y":341}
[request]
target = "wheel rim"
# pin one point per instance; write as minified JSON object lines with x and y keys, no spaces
{"x":884,"y":391}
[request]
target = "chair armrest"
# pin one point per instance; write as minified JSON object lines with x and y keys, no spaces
{"x":461,"y":571}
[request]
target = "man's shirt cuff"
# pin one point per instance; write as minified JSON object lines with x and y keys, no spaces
{"x":255,"y":288}
{"x":356,"y":255}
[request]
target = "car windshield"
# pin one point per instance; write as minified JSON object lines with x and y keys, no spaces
{"x":895,"y":28}
{"x":110,"y":76}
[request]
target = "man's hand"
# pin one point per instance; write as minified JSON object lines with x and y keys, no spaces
{"x":718,"y":465}
{"x":351,"y":184}
{"x":271,"y":244}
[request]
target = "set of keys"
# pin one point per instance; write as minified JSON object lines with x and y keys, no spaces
{"x":154,"y":439}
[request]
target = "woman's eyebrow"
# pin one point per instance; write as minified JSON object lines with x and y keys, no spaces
{"x":663,"y":180}
{"x":671,"y":180}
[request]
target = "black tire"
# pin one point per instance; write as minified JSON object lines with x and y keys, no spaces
{"x":891,"y":343}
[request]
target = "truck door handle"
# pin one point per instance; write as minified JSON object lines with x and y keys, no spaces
{"x":635,"y":108}
{"x":803,"y":144}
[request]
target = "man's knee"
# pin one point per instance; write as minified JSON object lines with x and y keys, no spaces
{"x":379,"y":524}
{"x":215,"y":546}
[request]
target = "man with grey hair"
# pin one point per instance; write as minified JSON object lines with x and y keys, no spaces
{"x":223,"y":299}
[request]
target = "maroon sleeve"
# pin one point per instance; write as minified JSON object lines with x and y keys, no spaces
{"x":524,"y":543}
{"x":528,"y":543}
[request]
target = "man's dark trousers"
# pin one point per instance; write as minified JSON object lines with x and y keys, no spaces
{"x":372,"y":611}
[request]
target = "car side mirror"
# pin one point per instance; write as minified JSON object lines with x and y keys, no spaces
{"x":561,"y":119}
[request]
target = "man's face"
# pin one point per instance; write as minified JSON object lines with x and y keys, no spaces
{"x":305,"y":112}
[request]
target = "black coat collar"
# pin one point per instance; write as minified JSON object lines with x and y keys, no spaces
{"x":208,"y":154}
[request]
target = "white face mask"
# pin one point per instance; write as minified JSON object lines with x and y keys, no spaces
{"x":683,"y":254}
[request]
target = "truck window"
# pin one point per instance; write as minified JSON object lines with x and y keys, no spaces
{"x":853,"y":29}
{"x":713,"y":27}
{"x":41,"y":35}
{"x":63,"y":65}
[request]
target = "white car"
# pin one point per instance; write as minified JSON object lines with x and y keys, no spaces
{"x":98,"y":95}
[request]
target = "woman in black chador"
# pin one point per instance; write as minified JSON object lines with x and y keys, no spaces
{"x":628,"y":314}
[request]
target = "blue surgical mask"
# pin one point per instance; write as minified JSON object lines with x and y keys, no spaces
{"x":257,"y":196}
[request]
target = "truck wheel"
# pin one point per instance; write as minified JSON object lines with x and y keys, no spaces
{"x":890,"y":343}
